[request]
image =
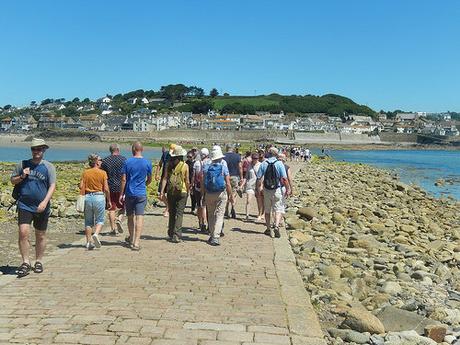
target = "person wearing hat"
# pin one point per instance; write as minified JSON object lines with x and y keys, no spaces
{"x":162,"y":164}
{"x":196,"y":187}
{"x":36,"y":179}
{"x":176,"y":184}
{"x":216,"y":190}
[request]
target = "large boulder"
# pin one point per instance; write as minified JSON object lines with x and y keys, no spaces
{"x":361,"y":320}
{"x":307,"y":212}
{"x":396,"y":320}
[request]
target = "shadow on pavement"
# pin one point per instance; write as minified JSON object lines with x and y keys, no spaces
{"x":244,"y":231}
{"x":9,"y":270}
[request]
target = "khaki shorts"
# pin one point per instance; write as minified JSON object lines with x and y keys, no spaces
{"x":274,"y":200}
{"x":234,"y":181}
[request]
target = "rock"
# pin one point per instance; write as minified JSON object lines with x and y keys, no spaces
{"x":408,"y":228}
{"x":307,"y":213}
{"x":333,"y":272}
{"x":295,"y":223}
{"x":350,"y":335}
{"x":300,"y":237}
{"x":436,"y":332}
{"x":407,"y":338}
{"x":391,"y":288}
{"x":395,"y":320}
{"x":359,"y":319}
{"x":338,"y":218}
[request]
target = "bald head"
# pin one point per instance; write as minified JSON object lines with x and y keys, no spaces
{"x":137,"y":147}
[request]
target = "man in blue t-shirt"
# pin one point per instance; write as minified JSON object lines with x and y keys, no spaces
{"x":273,"y":198}
{"x":136,"y":176}
{"x":36,"y":180}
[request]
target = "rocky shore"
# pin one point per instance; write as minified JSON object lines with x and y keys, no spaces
{"x":379,"y":258}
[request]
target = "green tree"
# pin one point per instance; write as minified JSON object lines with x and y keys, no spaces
{"x":214,"y":93}
{"x":175,"y":92}
{"x":76,"y":100}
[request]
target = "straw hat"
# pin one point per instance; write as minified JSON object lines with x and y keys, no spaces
{"x":178,"y":151}
{"x":36,"y":142}
{"x":171,"y":148}
{"x":216,"y":153}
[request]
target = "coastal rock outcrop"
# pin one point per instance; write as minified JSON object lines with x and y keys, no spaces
{"x":362,"y":237}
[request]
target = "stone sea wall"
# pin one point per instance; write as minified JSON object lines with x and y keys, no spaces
{"x":380,"y":258}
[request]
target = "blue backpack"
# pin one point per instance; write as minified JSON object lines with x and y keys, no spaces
{"x":214,"y":181}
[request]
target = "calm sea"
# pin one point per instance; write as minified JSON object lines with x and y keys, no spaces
{"x":423,"y":168}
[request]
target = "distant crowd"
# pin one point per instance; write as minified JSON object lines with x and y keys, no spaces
{"x":211,"y":178}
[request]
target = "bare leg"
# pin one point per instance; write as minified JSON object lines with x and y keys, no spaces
{"x":139,"y":228}
{"x":24,"y":244}
{"x":131,"y":228}
{"x":268,"y":219}
{"x":88,"y":233}
{"x":112,"y":220}
{"x":40,"y":244}
{"x":97,"y":229}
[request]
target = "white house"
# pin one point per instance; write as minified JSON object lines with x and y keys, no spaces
{"x":106,"y":99}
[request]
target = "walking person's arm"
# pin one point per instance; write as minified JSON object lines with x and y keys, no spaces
{"x":107,"y":194}
{"x":163,"y":184}
{"x":122,"y":188}
{"x":42,"y":206}
{"x":158,"y":167}
{"x":187,"y":178}
{"x":228,"y":186}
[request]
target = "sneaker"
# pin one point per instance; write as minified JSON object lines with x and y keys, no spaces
{"x":214,"y":242}
{"x":233,"y":213}
{"x":176,"y":239}
{"x":96,"y":240}
{"x":267,"y":232}
{"x":119,"y":227}
{"x":272,"y":233}
{"x":89,"y":246}
{"x":277,"y":232}
{"x":203,"y":228}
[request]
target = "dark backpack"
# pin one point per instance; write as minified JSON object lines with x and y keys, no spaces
{"x":271,"y":178}
{"x":214,"y":181}
{"x":16,"y":193}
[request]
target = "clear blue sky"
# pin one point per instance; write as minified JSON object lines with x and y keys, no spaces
{"x":388,"y":54}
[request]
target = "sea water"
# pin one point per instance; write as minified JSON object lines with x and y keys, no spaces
{"x":422,"y":167}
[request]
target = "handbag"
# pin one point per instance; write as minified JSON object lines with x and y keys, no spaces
{"x":80,"y":205}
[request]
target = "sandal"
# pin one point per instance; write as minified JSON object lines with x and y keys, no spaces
{"x":23,"y":270}
{"x":135,"y":248}
{"x":128,"y":239}
{"x":38,"y":267}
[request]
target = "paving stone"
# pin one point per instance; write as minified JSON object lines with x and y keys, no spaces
{"x":98,"y":339}
{"x":272,"y":338}
{"x":190,"y":334}
{"x":268,"y":329}
{"x":235,"y":336}
{"x":215,"y":326}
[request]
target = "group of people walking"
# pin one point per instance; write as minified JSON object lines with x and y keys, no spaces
{"x":212,"y":179}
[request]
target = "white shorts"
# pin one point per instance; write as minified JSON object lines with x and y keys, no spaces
{"x":274,"y":200}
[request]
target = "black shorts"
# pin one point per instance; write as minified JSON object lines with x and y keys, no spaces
{"x":40,"y":220}
{"x":197,"y":196}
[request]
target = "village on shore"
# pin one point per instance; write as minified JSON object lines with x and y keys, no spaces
{"x":136,"y":113}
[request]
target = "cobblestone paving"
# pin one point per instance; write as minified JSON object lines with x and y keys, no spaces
{"x":247,"y":291}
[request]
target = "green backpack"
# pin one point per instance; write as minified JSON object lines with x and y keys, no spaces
{"x":176,"y":179}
